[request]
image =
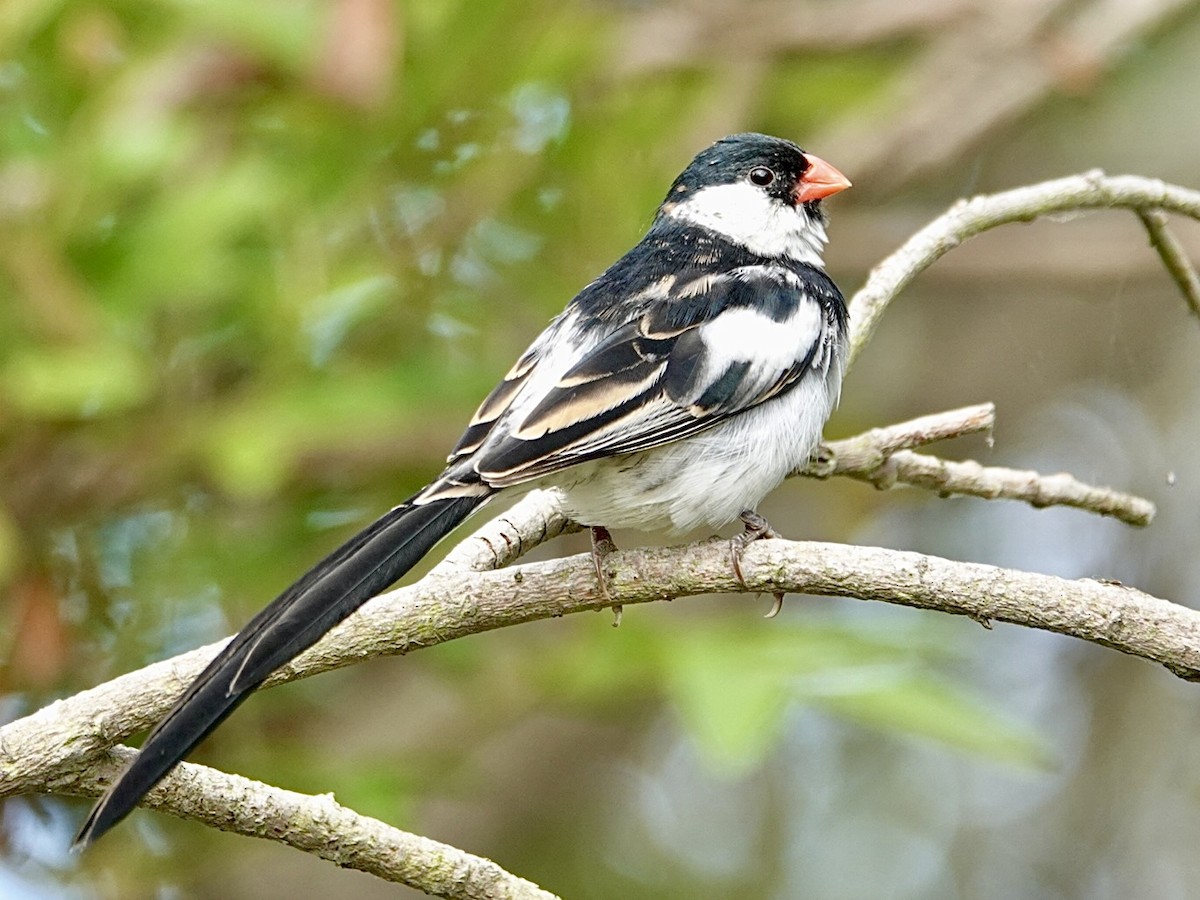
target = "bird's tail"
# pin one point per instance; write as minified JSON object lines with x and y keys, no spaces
{"x":363,"y":566}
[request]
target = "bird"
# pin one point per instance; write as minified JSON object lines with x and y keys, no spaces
{"x":674,"y":391}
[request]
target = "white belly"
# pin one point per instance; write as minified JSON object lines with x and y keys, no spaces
{"x":705,"y":480}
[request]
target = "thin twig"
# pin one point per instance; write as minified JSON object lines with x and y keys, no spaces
{"x":968,"y":218}
{"x":883,"y":457}
{"x":533,"y":520}
{"x":872,"y":448}
{"x":969,"y":478}
{"x":1173,"y":255}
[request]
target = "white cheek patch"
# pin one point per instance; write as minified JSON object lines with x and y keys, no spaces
{"x":748,"y":216}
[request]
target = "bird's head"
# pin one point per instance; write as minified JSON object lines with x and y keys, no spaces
{"x":761,"y":192}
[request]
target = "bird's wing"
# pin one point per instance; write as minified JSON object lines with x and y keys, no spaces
{"x":707,"y":350}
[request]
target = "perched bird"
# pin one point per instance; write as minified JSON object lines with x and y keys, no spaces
{"x":674,"y":391}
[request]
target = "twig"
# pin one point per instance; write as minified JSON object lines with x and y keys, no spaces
{"x":318,"y":825}
{"x":967,"y":218}
{"x":872,"y":448}
{"x":533,"y":520}
{"x":883,"y":457}
{"x":971,"y":479}
{"x":1173,"y":256}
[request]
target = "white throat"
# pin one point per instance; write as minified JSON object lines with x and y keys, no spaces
{"x":746,"y":215}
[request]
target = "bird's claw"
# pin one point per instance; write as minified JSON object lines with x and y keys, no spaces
{"x":602,"y":545}
{"x":757,"y":527}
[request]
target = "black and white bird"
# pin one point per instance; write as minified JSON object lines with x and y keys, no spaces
{"x":675,"y":391}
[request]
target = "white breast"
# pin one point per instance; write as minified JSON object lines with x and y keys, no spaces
{"x":708,"y":479}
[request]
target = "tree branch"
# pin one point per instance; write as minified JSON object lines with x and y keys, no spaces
{"x":969,"y":478}
{"x":47,"y":750}
{"x":883,"y":457}
{"x":1173,"y":256}
{"x":872,"y":448}
{"x":968,"y":218}
{"x":318,"y":825}
{"x":39,"y":751}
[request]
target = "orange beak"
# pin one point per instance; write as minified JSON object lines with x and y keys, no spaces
{"x":819,"y":180}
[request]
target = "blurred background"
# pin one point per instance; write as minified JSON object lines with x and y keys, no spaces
{"x":258,"y":263}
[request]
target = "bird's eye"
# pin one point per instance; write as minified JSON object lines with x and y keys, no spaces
{"x":762,"y":176}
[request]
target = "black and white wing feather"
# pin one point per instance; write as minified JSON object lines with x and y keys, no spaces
{"x":699,"y":353}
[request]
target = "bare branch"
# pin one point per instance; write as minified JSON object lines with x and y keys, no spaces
{"x":883,"y":457}
{"x":534,"y":519}
{"x":318,"y":825}
{"x":968,"y":218}
{"x":47,"y":750}
{"x":868,"y":451}
{"x":971,"y":479}
{"x":1173,"y":256}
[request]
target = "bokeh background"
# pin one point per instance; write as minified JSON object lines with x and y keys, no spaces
{"x":259,"y":261}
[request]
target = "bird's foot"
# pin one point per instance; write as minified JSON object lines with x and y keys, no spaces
{"x":602,"y":545}
{"x":757,"y":527}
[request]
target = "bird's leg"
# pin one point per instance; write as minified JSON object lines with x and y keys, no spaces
{"x":756,"y":527}
{"x":602,"y":545}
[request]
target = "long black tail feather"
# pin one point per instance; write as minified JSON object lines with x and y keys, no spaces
{"x":366,"y":564}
